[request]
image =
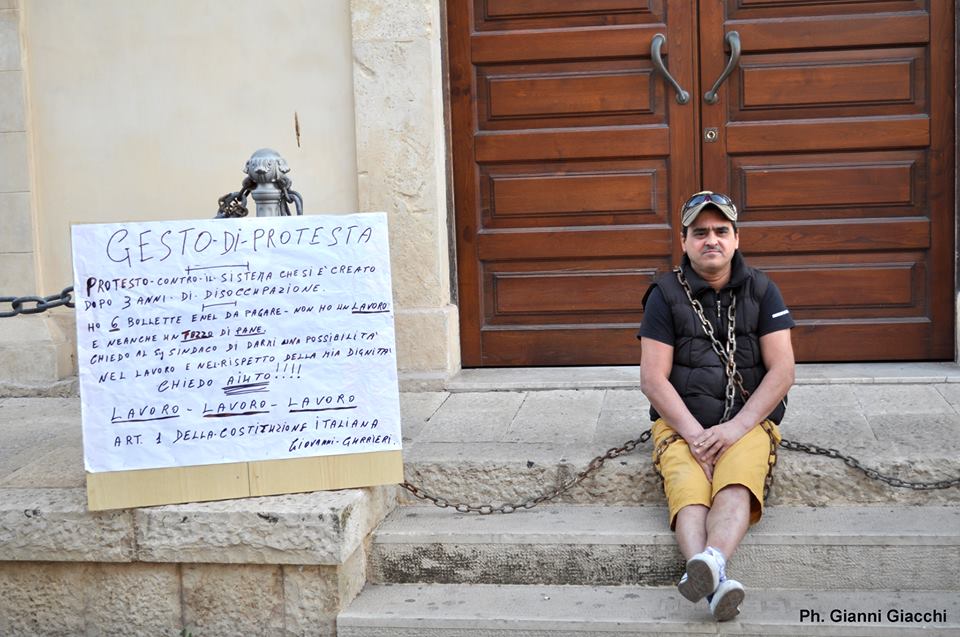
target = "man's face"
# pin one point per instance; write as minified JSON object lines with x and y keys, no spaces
{"x":710,"y":241}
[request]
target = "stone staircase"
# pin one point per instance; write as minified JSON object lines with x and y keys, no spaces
{"x":609,"y":570}
{"x":836,"y":554}
{"x":597,"y":560}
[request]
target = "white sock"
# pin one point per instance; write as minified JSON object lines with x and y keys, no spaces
{"x":721,"y":561}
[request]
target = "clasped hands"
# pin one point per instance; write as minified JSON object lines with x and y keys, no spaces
{"x":711,"y":443}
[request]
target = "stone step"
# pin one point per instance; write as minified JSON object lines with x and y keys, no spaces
{"x":506,"y":446}
{"x":253,"y":566}
{"x":476,"y":610}
{"x":817,"y":549}
{"x":498,"y":473}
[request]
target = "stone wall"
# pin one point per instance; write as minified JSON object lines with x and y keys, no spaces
{"x":35,"y":352}
{"x":17,"y":271}
{"x":401,"y":169}
{"x":87,"y":135}
{"x":282,"y":565}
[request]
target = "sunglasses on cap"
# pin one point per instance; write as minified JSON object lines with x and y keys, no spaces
{"x":692,"y":207}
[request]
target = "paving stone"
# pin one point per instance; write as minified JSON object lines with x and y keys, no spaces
{"x":473,"y":427}
{"x":902,"y":399}
{"x":416,"y":408}
{"x":624,"y":415}
{"x":616,"y":427}
{"x":519,"y":452}
{"x":915,"y":434}
{"x":45,"y":417}
{"x":837,"y":427}
{"x":473,"y":417}
{"x":60,"y":468}
{"x":624,"y":400}
{"x":557,"y":416}
{"x":950,"y":393}
{"x":33,"y":427}
{"x":802,"y":397}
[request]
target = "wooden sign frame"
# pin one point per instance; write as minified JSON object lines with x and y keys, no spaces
{"x":175,"y":485}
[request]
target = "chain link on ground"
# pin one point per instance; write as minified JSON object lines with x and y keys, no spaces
{"x":529,"y":503}
{"x":40,"y":303}
{"x":631,"y":445}
{"x":873,"y":474}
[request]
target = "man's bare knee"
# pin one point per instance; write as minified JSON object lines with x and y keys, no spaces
{"x":693,"y":510}
{"x":732,"y":493}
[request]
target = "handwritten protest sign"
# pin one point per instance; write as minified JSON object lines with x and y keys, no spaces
{"x":234,"y":340}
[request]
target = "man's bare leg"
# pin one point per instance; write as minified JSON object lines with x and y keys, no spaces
{"x":728,"y":519}
{"x":727,"y":523}
{"x":707,"y":538}
{"x":691,"y":532}
{"x":691,"y":529}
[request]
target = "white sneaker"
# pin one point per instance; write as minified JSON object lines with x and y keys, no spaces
{"x":702,"y":577}
{"x":725,"y":603}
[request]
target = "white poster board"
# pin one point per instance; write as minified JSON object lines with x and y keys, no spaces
{"x":235,"y":340}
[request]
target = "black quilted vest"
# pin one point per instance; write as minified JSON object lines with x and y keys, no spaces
{"x":698,"y":373}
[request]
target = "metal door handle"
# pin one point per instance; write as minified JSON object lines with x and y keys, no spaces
{"x":733,"y":39}
{"x":682,"y":96}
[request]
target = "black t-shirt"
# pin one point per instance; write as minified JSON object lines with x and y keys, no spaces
{"x":658,"y":322}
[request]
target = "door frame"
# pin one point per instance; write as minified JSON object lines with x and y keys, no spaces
{"x":452,"y":193}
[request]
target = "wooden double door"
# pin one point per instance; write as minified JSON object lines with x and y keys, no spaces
{"x":833,"y":131}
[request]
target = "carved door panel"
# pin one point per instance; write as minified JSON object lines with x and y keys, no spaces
{"x":835,"y":135}
{"x":569,"y":152}
{"x":571,"y":155}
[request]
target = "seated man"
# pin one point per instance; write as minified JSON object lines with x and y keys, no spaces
{"x":717,"y":363}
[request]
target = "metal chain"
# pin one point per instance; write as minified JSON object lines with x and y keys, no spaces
{"x":529,"y":503}
{"x":234,"y":204}
{"x":728,"y":357}
{"x":726,"y":353}
{"x":873,"y":474}
{"x":287,"y":197}
{"x":630,"y":445}
{"x":41,"y":303}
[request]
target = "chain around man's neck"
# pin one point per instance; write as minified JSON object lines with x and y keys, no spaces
{"x":727,"y":354}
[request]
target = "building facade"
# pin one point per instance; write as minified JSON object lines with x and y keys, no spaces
{"x":530,"y":157}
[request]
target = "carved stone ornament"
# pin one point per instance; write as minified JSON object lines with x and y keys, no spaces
{"x":265,"y":166}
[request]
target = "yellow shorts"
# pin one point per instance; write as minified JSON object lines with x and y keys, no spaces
{"x":745,"y":463}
